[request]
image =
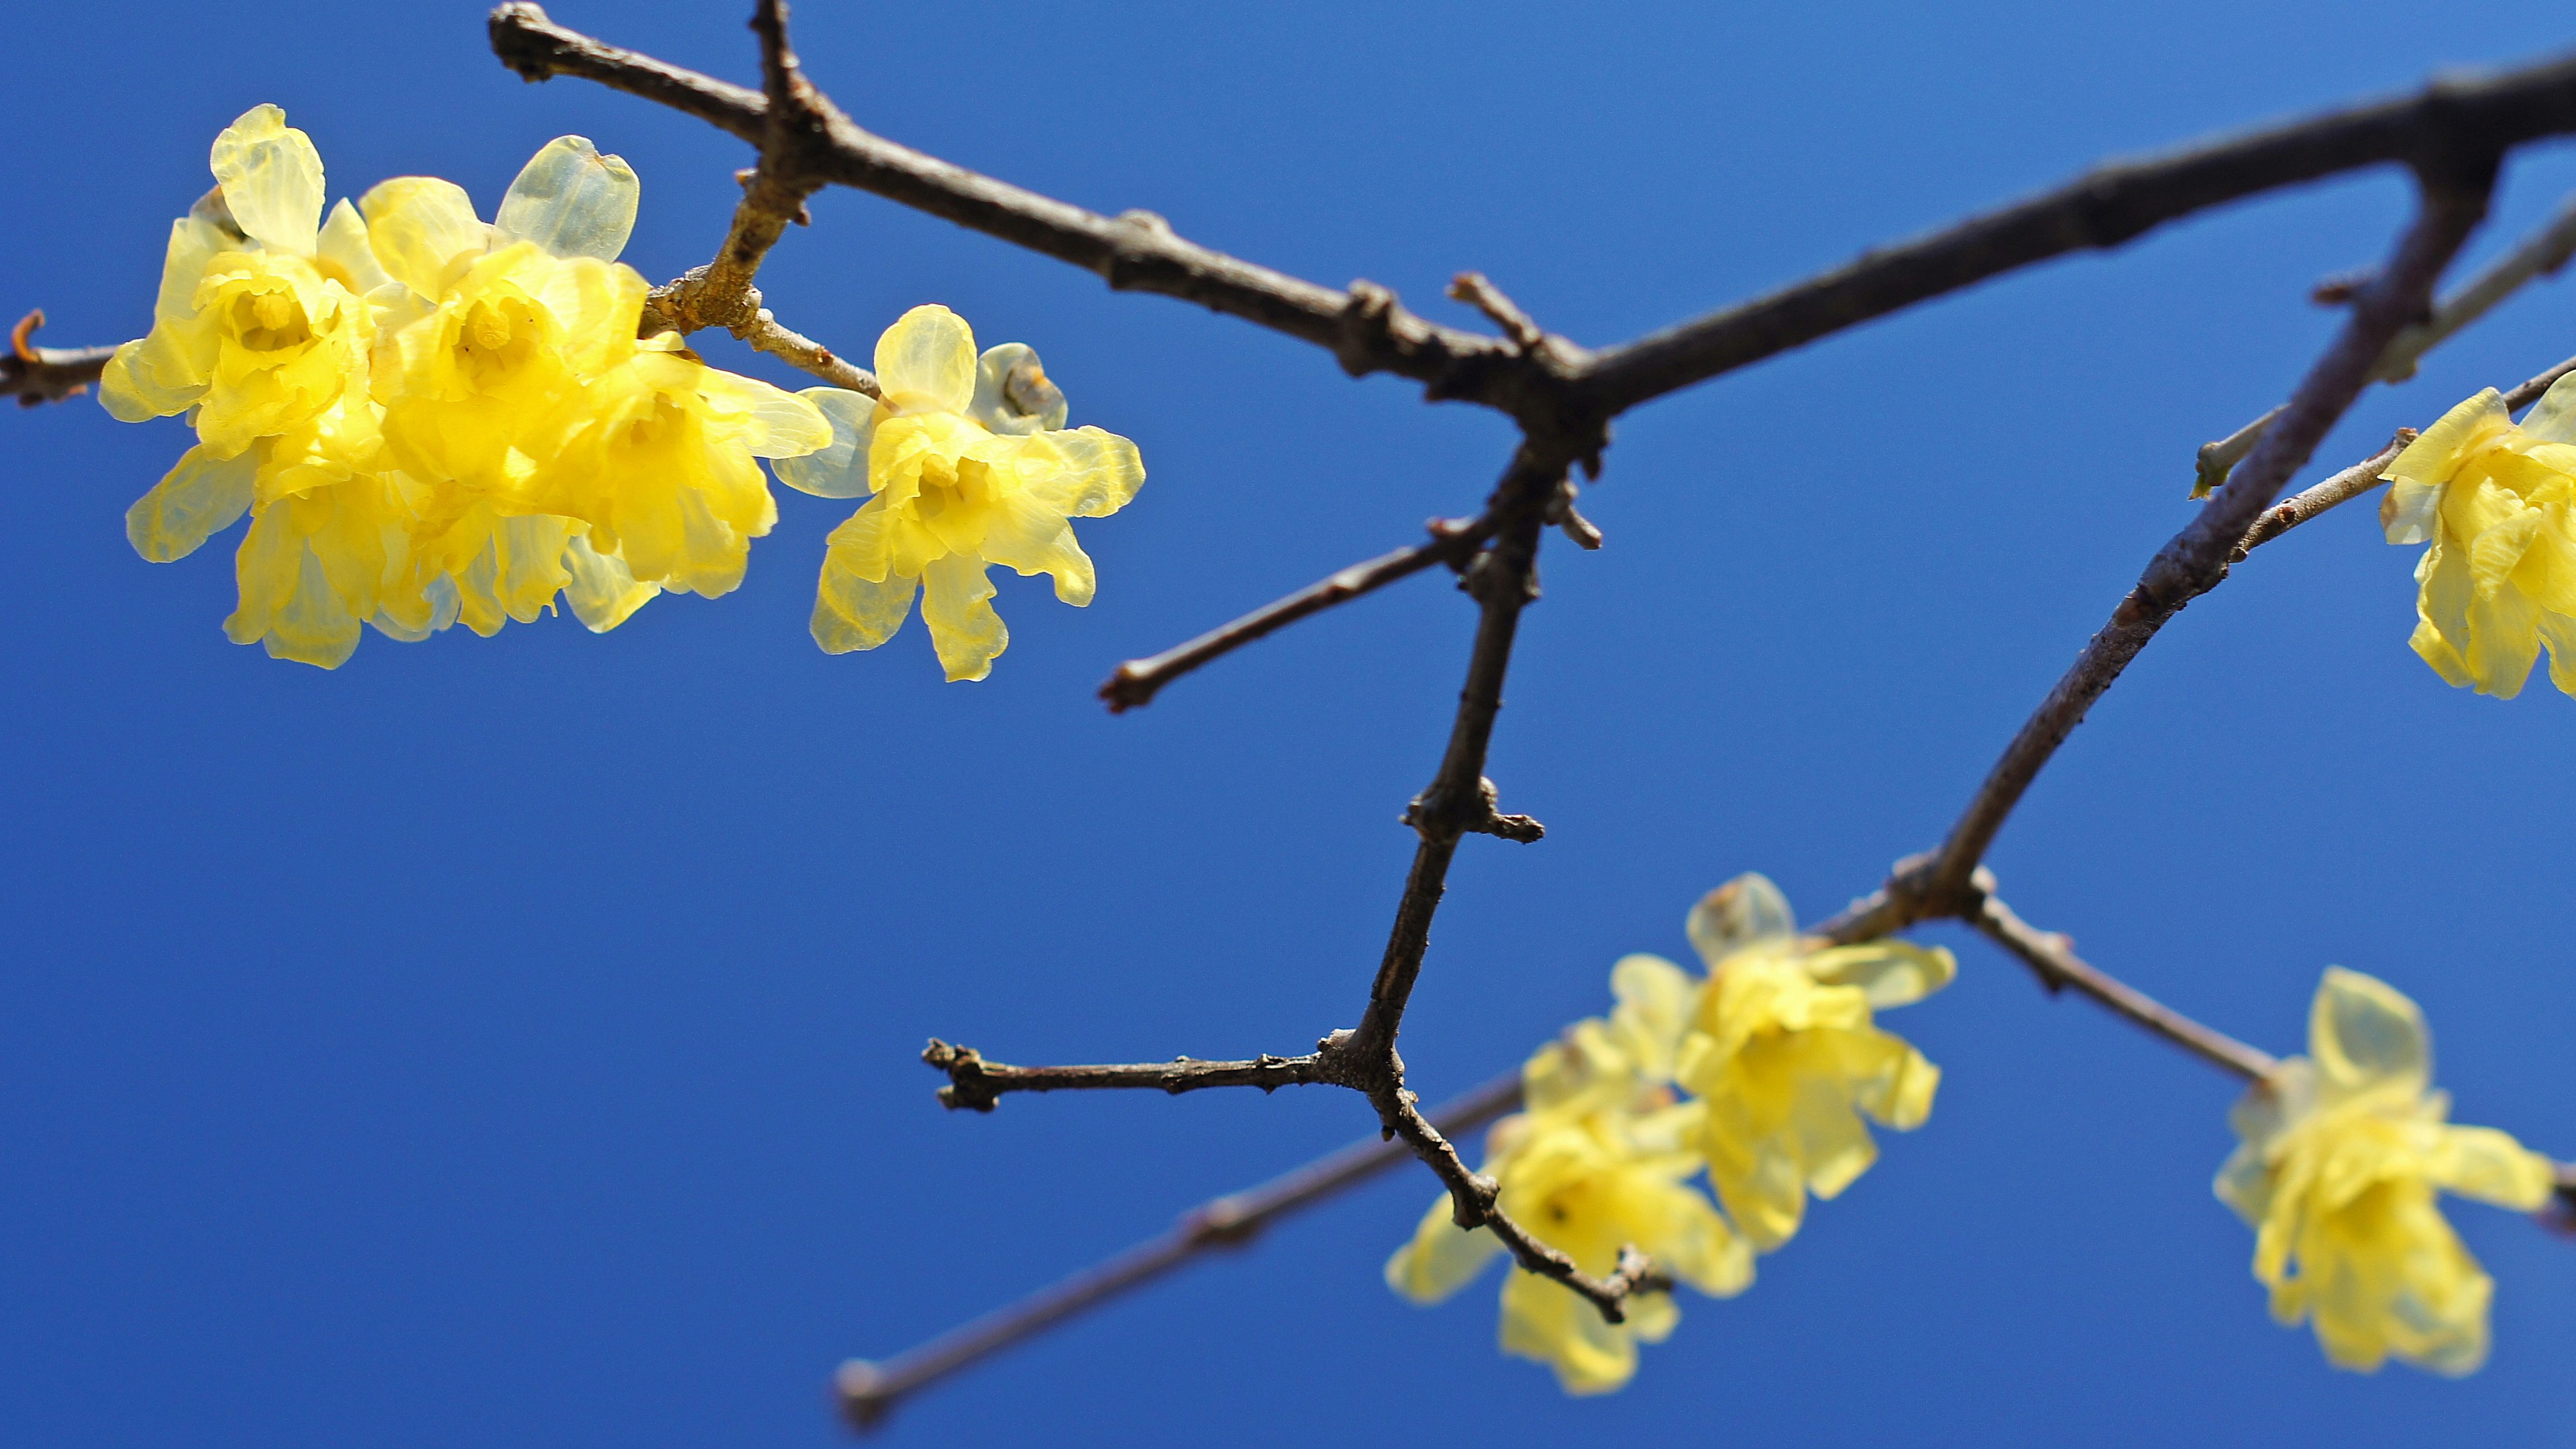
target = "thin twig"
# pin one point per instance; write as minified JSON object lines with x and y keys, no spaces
{"x":976,"y":1084}
{"x":2052,"y":958}
{"x":36,"y":375}
{"x":869,"y":1390}
{"x":2540,"y":254}
{"x":1137,"y":681}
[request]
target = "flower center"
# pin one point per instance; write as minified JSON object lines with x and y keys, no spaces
{"x":269,"y":321}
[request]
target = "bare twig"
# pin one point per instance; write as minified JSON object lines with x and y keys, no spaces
{"x":869,"y":1390}
{"x":2052,"y":958}
{"x":1137,"y":681}
{"x":976,"y":1083}
{"x":36,"y":375}
{"x":2540,"y":254}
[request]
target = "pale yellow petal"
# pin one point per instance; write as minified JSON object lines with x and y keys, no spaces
{"x":1889,"y":973}
{"x":199,"y":498}
{"x":420,"y":227}
{"x":2489,"y":1165}
{"x":1095,"y":473}
{"x":1029,"y":538}
{"x":1441,"y":1257}
{"x":272,"y":180}
{"x":2553,"y":418}
{"x":838,"y":469}
{"x":956,"y":602}
{"x":1548,"y":1322}
{"x":1657,"y":1000}
{"x":345,"y":255}
{"x":926,"y":361}
{"x":2407,"y":514}
{"x":2365,"y":1034}
{"x":571,"y":201}
{"x":851,"y":612}
{"x":602,"y":591}
{"x":1746,"y":909}
{"x":2435,"y":455}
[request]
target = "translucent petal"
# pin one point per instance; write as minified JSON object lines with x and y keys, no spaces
{"x":926,"y":361}
{"x":2364,"y":1033}
{"x":149,"y":378}
{"x":345,"y":254}
{"x":956,"y":602}
{"x":1889,"y":973}
{"x":1028,"y":538}
{"x":2558,"y":631}
{"x":272,"y":180}
{"x":1685,"y":1235}
{"x":2488,"y":1165}
{"x":1013,"y":393}
{"x":2435,"y":455}
{"x":419,"y":226}
{"x":1441,"y":1258}
{"x":1657,"y":1000}
{"x":571,"y":201}
{"x":1095,"y":475}
{"x":2408,"y":512}
{"x":2553,"y":418}
{"x":1548,"y":1322}
{"x":782,"y":425}
{"x":602,"y":592}
{"x":1746,"y":909}
{"x":855,"y":613}
{"x":199,"y":498}
{"x":838,"y":469}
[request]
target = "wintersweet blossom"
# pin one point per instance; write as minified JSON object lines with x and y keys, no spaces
{"x":2342,"y":1151}
{"x":1598,"y":1160}
{"x":1786,"y":1058}
{"x":518,"y":384}
{"x":434,"y":420}
{"x":2494,"y":500}
{"x":969,"y":464}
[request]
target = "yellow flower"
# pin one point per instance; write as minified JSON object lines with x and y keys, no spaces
{"x":259,"y":327}
{"x":970,"y":465}
{"x":2340,"y":1157}
{"x":1786,"y":1058}
{"x":2494,"y":501}
{"x":1598,"y":1161}
{"x":560,"y":451}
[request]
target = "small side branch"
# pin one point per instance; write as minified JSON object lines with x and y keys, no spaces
{"x":1137,"y":681}
{"x":977,"y":1084}
{"x":870,"y":1390}
{"x":37,"y":375}
{"x":2051,"y":957}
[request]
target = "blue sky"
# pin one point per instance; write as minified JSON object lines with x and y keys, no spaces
{"x":501,"y":1042}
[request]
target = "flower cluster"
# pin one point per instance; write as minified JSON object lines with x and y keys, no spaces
{"x":431,"y":418}
{"x":970,"y":465}
{"x":2494,"y":500}
{"x":1759,"y":1074}
{"x":2341,"y":1153}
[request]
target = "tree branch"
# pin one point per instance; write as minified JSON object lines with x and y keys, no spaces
{"x":869,"y":1390}
{"x":976,"y":1083}
{"x":2448,"y":120}
{"x":2196,"y":559}
{"x":36,"y":375}
{"x":1137,"y":681}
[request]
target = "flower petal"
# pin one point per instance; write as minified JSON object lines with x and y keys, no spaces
{"x":1095,"y":473}
{"x":2435,"y":455}
{"x":602,"y":591}
{"x":419,"y":226}
{"x":1889,"y":973}
{"x":926,"y":361}
{"x":2364,"y":1033}
{"x":199,"y":498}
{"x":272,"y":180}
{"x":1548,"y":1322}
{"x":1013,"y":393}
{"x":1441,"y":1257}
{"x":2488,"y":1165}
{"x":344,"y":254}
{"x":571,"y":201}
{"x":1028,"y":538}
{"x":1657,"y":1000}
{"x":2553,"y":418}
{"x":838,"y":469}
{"x":851,"y":612}
{"x":956,"y":602}
{"x":1746,"y":909}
